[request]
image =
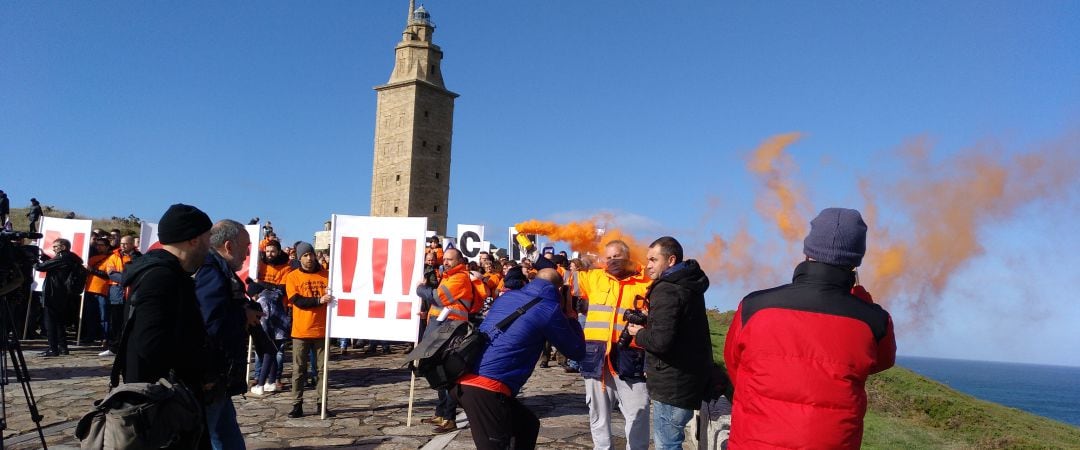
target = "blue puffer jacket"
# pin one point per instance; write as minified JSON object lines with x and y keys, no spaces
{"x":512,"y":355}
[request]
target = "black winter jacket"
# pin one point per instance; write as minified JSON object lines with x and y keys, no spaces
{"x":57,"y":269}
{"x":676,"y":339}
{"x":168,"y":331}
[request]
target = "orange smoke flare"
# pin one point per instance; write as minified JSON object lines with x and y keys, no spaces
{"x":948,"y":204}
{"x":582,"y":236}
{"x":783,"y":205}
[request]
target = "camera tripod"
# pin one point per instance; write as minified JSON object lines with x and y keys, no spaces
{"x":9,"y":346}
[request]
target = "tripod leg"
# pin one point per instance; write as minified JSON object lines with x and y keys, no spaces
{"x":29,"y":307}
{"x":11,"y":347}
{"x":78,"y":329}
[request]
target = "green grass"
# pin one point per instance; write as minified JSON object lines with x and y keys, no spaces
{"x":125,"y":225}
{"x":907,"y":410}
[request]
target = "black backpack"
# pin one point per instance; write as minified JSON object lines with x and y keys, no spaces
{"x":462,"y":344}
{"x":75,"y":282}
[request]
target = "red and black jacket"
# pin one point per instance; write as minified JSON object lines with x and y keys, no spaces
{"x":799,"y":356}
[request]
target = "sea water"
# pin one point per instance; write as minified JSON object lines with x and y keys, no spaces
{"x":1049,"y":391}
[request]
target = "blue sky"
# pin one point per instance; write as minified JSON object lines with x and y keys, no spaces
{"x":649,"y":110}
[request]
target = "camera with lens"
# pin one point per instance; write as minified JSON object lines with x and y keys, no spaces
{"x":11,"y":255}
{"x":634,"y":316}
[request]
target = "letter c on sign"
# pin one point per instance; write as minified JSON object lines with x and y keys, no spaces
{"x":469,"y":244}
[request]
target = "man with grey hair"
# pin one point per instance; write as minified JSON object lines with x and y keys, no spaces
{"x":57,"y":294}
{"x":223,"y":303}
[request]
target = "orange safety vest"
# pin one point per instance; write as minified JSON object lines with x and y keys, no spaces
{"x":116,"y":263}
{"x":609,"y":298}
{"x":457,"y":292}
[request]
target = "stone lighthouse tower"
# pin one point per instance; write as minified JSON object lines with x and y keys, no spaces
{"x":413,"y":128}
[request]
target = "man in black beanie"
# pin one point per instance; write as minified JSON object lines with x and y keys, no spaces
{"x":799,"y":354}
{"x":166,"y":331}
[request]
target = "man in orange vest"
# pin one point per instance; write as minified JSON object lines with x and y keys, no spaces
{"x":97,"y":291}
{"x":613,"y":371}
{"x":455,"y":299}
{"x":114,"y":267}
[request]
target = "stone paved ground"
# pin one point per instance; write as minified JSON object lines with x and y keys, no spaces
{"x":368,"y":393}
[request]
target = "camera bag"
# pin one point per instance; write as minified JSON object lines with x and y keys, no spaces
{"x":462,"y":344}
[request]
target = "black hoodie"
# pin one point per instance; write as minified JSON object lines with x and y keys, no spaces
{"x":676,"y":340}
{"x":168,"y":331}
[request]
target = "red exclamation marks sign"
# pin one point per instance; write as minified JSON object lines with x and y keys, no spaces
{"x":77,"y":245}
{"x":379,"y":254}
{"x":408,"y":258}
{"x":50,"y":237}
{"x":349,"y":247}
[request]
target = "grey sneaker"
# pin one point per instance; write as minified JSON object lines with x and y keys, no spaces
{"x":107,"y":353}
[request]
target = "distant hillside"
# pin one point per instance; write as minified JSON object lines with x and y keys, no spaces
{"x":908,"y":410}
{"x":126,"y":225}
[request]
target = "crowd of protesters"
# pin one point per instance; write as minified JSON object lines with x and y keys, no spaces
{"x":637,"y":333}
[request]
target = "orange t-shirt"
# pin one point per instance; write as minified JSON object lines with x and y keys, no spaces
{"x":96,"y":284}
{"x":307,"y":323}
{"x":273,"y":274}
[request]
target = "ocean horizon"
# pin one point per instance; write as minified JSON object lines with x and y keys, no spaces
{"x":1045,"y":390}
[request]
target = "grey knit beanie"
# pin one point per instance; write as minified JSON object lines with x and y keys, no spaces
{"x":837,"y":236}
{"x":303,"y":248}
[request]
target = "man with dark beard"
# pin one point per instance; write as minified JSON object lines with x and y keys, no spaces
{"x":273,"y":266}
{"x":305,"y":292}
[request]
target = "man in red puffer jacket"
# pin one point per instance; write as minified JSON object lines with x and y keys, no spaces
{"x":799,"y":354}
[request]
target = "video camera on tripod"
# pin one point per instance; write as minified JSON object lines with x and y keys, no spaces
{"x":10,"y":274}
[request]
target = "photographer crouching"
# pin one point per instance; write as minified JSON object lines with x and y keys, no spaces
{"x":676,"y":340}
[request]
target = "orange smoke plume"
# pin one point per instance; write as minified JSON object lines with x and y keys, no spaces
{"x":734,"y":261}
{"x":785,"y":203}
{"x":582,"y":236}
{"x":948,"y":203}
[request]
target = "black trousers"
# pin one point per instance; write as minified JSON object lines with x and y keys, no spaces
{"x":497,"y":421}
{"x":447,"y":405}
{"x":55,"y":321}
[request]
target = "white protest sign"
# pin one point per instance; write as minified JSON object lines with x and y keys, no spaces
{"x":148,"y":239}
{"x":77,"y":231}
{"x":322,"y":240}
{"x":469,"y":238}
{"x":375,"y":265}
{"x":250,"y":269}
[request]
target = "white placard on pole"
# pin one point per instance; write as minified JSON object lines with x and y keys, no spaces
{"x":77,"y":231}
{"x":469,"y":238}
{"x":148,"y":239}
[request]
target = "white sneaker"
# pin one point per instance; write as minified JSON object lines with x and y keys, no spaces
{"x":269,"y":387}
{"x":107,"y":353}
{"x":257,"y":390}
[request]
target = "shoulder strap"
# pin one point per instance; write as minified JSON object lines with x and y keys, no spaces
{"x":120,"y":362}
{"x":505,"y":323}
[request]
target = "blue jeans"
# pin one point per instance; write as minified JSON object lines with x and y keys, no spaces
{"x":669,"y":425}
{"x":103,"y":314}
{"x":222,"y":425}
{"x":569,"y":362}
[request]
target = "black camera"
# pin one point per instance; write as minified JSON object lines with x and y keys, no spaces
{"x":631,"y":316}
{"x":11,"y":275}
